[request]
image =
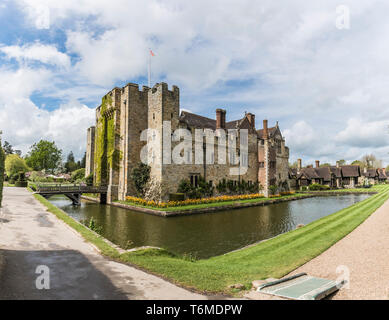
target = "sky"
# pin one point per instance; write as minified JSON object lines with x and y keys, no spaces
{"x":302,"y":63}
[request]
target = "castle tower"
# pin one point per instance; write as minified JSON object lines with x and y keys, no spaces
{"x":90,"y":151}
{"x":133,"y":119}
{"x":266,"y":158}
{"x":164,"y":106}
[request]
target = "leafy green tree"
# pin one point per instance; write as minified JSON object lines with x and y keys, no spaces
{"x":78,"y":175}
{"x":15,"y":164}
{"x":325,"y":165}
{"x":44,"y":155}
{"x":83,"y":161}
{"x":342,"y":162}
{"x":70,"y":164}
{"x":2,"y":165}
{"x":7,"y":148}
{"x":140,"y":175}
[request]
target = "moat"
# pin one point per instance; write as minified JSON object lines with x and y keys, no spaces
{"x":205,"y":235}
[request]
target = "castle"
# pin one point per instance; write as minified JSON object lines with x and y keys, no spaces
{"x":114,"y":145}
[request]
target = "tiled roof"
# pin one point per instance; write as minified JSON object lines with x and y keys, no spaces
{"x":197,"y":121}
{"x":270,"y":130}
{"x":324,"y":173}
{"x":370,"y":173}
{"x":336,"y":171}
{"x":350,"y":171}
{"x":309,"y":173}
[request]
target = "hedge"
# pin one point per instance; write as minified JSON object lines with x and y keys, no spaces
{"x":2,"y":165}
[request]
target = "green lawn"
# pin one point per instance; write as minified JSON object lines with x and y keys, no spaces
{"x":273,"y":258}
{"x":214,"y":204}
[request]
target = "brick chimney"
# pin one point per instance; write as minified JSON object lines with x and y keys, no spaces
{"x":317,"y":162}
{"x":299,"y":165}
{"x":265,"y":130}
{"x":251,"y":118}
{"x":337,"y":164}
{"x":220,"y":119}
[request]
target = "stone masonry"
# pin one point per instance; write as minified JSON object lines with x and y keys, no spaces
{"x":115,"y":148}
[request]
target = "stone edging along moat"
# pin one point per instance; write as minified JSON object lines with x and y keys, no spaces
{"x":237,"y":205}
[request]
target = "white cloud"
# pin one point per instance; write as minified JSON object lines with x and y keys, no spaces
{"x":37,"y":52}
{"x":300,"y":68}
{"x":363,"y":134}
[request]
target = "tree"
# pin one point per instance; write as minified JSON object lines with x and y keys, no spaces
{"x":70,"y":164}
{"x":325,"y":165}
{"x":341,"y":162}
{"x":83,"y":161}
{"x":140,"y":175}
{"x":44,"y":155}
{"x":370,"y":161}
{"x":15,"y":164}
{"x":2,"y":165}
{"x":7,"y":148}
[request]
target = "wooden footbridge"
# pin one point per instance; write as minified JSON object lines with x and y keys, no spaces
{"x":73,"y":192}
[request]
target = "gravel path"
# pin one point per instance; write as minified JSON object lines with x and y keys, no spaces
{"x":30,"y":236}
{"x":365,"y":253}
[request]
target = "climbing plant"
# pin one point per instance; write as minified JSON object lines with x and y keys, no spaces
{"x":140,"y":175}
{"x":106,"y":155}
{"x":2,"y":165}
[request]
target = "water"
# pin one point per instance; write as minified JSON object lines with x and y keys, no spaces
{"x":205,"y":235}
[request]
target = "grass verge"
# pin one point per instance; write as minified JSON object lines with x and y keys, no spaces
{"x":87,"y":234}
{"x":273,"y":258}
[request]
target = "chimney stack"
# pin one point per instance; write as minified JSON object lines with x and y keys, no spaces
{"x":317,"y":163}
{"x":265,"y":130}
{"x":337,"y":164}
{"x":220,"y":119}
{"x":251,"y":118}
{"x":299,"y":162}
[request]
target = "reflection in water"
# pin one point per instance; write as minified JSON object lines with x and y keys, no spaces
{"x":205,"y":235}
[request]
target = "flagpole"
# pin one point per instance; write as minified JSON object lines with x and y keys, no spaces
{"x":149,"y":69}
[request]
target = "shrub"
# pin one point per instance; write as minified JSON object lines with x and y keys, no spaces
{"x":176,"y":197}
{"x":317,"y":187}
{"x":21,"y":184}
{"x":15,"y":164}
{"x":89,"y":180}
{"x":78,"y":175}
{"x":140,"y":175}
{"x":2,"y":168}
{"x":273,"y":190}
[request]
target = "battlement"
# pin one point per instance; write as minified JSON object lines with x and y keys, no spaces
{"x":164,"y":88}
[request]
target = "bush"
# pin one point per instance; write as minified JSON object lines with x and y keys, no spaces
{"x":21,"y":184}
{"x":78,"y":175}
{"x":273,"y":190}
{"x":204,"y":189}
{"x":15,"y":164}
{"x":2,"y":168}
{"x":176,"y":197}
{"x":140,"y":175}
{"x":89,"y":180}
{"x":318,"y":187}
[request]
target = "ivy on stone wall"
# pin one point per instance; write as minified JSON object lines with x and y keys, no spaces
{"x":2,"y":165}
{"x":106,"y":156}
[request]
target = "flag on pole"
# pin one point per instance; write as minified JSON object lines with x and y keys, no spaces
{"x":149,"y":69}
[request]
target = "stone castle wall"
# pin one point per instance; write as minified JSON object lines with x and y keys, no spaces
{"x":126,"y":112}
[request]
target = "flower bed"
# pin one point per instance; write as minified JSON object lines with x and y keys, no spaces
{"x":143,"y":202}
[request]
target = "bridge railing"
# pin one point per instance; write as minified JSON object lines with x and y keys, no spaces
{"x":59,"y":188}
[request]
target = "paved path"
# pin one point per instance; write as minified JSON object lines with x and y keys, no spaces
{"x":30,"y":236}
{"x":365,"y":252}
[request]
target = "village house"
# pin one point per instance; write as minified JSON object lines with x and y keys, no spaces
{"x":346,"y":176}
{"x":114,"y":145}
